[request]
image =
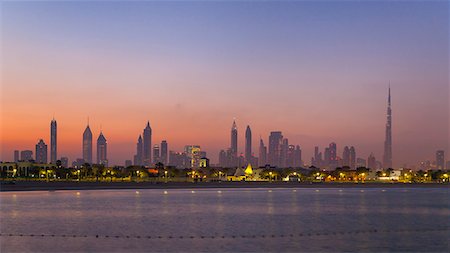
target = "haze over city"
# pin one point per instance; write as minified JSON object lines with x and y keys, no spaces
{"x":317,"y":72}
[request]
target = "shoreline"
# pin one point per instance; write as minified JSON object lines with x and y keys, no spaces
{"x":53,"y":186}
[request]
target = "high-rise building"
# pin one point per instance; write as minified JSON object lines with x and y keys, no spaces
{"x":248,"y":145}
{"x":387,"y":157}
{"x":26,"y":155}
{"x":316,"y":161}
{"x":178,"y":159}
{"x":102,"y":157}
{"x":193,"y":153}
{"x":333,"y":161}
{"x":298,"y":157}
{"x":156,"y":158}
{"x":346,"y":157}
{"x":164,"y":155}
{"x":53,"y":141}
{"x":41,"y":152}
{"x":138,"y":158}
{"x":234,"y":144}
{"x":147,"y":145}
{"x":262,"y":153}
{"x":16,"y":156}
{"x":87,"y":145}
{"x":352,"y":157}
{"x":275,"y":141}
{"x":284,"y":148}
{"x":440,"y":160}
{"x":372,"y":162}
{"x":361,"y":162}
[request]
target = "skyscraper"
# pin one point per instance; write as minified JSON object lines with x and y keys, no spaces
{"x":297,"y":157}
{"x":440,"y":160}
{"x":26,"y":155}
{"x":352,"y":157}
{"x":102,"y":157}
{"x":138,"y":157}
{"x":41,"y":152}
{"x":262,"y":153}
{"x":387,"y":157}
{"x":53,"y":142}
{"x":248,"y":145}
{"x":87,"y":145}
{"x":284,"y":152}
{"x":372,"y":162}
{"x":275,"y":140}
{"x":156,"y":158}
{"x":16,"y":156}
{"x":234,"y":144}
{"x":346,"y":157}
{"x":147,"y":145}
{"x":164,"y":152}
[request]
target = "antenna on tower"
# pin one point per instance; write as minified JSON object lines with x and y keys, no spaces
{"x":88,"y":120}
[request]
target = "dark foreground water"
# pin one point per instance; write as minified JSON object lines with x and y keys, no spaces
{"x":211,"y":220}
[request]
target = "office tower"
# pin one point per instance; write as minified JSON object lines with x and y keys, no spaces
{"x":128,"y":163}
{"x":447,"y":165}
{"x":164,"y":155}
{"x":275,"y":140}
{"x":177,"y":159}
{"x":41,"y":152}
{"x":87,"y":145}
{"x":352,"y":161}
{"x":387,"y":157}
{"x":223,"y":159}
{"x":290,"y":156}
{"x":16,"y":156}
{"x":156,"y":158}
{"x":262,"y":153}
{"x":372,"y":162}
{"x":440,"y":160}
{"x":327,"y":157}
{"x":65,"y":162}
{"x":284,"y":153}
{"x":193,"y":153}
{"x":317,"y":159}
{"x":297,"y":157}
{"x":346,"y":157}
{"x":102,"y":148}
{"x":53,"y":141}
{"x":147,"y":145}
{"x":248,"y":145}
{"x":234,"y":144}
{"x":138,"y":158}
{"x":26,"y":155}
{"x":332,"y":159}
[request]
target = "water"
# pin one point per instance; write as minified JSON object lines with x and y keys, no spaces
{"x":258,"y":220}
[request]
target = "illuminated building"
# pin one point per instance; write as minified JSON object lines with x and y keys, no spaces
{"x":193,"y":153}
{"x":102,"y":146}
{"x":53,"y":141}
{"x":87,"y":145}
{"x":147,"y":145}
{"x":204,"y":162}
{"x":41,"y":152}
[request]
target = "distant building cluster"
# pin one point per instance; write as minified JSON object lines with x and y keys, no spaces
{"x":277,"y":152}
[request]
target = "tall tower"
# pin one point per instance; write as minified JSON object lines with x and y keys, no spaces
{"x":248,"y":145}
{"x":53,"y":143}
{"x":262,"y":153}
{"x":102,"y":157}
{"x":87,"y":145}
{"x":387,"y":157}
{"x":164,"y":154}
{"x":147,"y":145}
{"x":275,"y":141}
{"x":139,"y":146}
{"x":234,"y":144}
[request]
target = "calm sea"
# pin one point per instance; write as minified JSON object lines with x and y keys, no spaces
{"x":227,"y":220}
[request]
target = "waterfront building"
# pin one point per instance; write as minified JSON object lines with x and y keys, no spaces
{"x":147,"y":145}
{"x":26,"y":155}
{"x":53,"y":141}
{"x":41,"y":152}
{"x":164,"y":155}
{"x":440,"y":160}
{"x":102,"y":147}
{"x":87,"y":145}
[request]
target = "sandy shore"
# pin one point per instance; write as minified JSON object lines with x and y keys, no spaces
{"x":48,"y":186}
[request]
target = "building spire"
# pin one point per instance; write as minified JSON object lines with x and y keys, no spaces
{"x":389,"y":96}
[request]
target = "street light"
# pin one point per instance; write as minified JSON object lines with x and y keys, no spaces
{"x":165,"y":175}
{"x":270,"y":176}
{"x":79,"y":174}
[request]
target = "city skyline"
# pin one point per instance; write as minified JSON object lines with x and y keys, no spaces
{"x":316,"y":72}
